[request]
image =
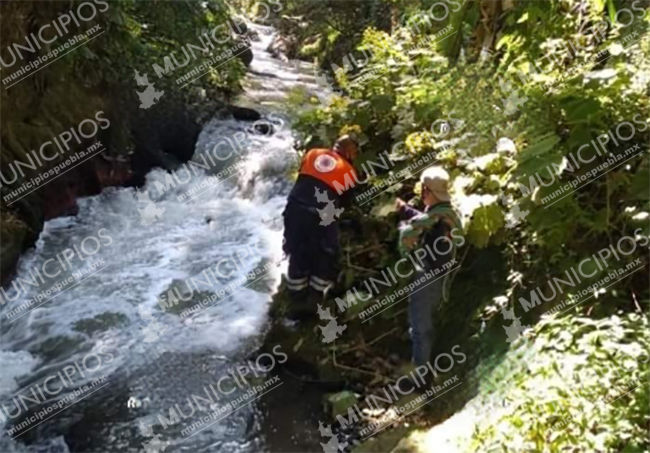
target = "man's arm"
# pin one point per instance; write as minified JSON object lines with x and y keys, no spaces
{"x":405,"y":211}
{"x":410,"y":233}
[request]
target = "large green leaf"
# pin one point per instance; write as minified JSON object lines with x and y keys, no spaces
{"x":579,"y":110}
{"x":540,"y":146}
{"x":485,"y":222}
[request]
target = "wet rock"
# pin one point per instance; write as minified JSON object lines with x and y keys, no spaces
{"x":15,"y":234}
{"x":279,"y":48}
{"x":244,"y":113}
{"x":238,"y":25}
{"x":263,"y":128}
{"x":56,"y":347}
{"x":164,"y":137}
{"x":246,"y":55}
{"x":264,"y":362}
{"x":100,"y":323}
{"x":244,"y":51}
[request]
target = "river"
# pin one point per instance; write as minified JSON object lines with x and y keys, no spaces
{"x":106,"y":330}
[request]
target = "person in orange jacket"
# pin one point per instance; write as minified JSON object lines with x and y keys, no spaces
{"x":311,"y":231}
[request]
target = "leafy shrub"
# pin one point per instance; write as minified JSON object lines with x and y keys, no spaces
{"x":583,"y":388}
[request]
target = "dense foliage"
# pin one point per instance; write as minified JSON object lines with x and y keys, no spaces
{"x":587,"y":386}
{"x":143,"y":36}
{"x":133,"y":34}
{"x":506,"y":96}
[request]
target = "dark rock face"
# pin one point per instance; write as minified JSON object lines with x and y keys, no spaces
{"x":163,"y":136}
{"x":14,"y":235}
{"x":59,"y":198}
{"x":244,"y":113}
{"x":245,"y":39}
{"x":263,"y":128}
{"x":238,"y":25}
{"x":55,"y":100}
{"x":246,"y":56}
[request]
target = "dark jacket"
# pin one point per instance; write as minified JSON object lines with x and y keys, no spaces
{"x":433,"y":224}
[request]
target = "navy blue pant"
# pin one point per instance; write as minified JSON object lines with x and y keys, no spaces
{"x":313,"y":249}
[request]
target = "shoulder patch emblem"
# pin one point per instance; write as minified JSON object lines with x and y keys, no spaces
{"x":325,"y":163}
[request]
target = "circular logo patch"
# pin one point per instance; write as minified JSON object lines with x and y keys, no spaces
{"x":325,"y":163}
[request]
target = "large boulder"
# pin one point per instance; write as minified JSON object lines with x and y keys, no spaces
{"x":244,"y":113}
{"x":164,"y":136}
{"x":246,"y":56}
{"x":238,"y":25}
{"x":245,"y":39}
{"x":279,"y":48}
{"x":262,"y":127}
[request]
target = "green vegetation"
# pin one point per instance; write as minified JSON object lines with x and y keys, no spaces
{"x":587,"y":387}
{"x":505,"y":94}
{"x":509,"y":143}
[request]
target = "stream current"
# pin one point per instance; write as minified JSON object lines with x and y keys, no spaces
{"x":105,"y":329}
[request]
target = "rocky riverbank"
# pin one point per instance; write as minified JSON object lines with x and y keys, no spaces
{"x":132,"y":139}
{"x":135,"y":142}
{"x":352,"y":372}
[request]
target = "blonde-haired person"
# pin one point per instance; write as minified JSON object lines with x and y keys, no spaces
{"x":437,"y":231}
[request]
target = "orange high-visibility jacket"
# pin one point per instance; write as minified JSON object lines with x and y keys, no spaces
{"x":327,"y":166}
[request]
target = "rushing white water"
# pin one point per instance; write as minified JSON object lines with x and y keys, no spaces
{"x":107,"y":311}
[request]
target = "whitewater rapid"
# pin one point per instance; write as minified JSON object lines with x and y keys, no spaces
{"x":158,"y":242}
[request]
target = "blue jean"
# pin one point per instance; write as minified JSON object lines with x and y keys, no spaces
{"x":423,"y":302}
